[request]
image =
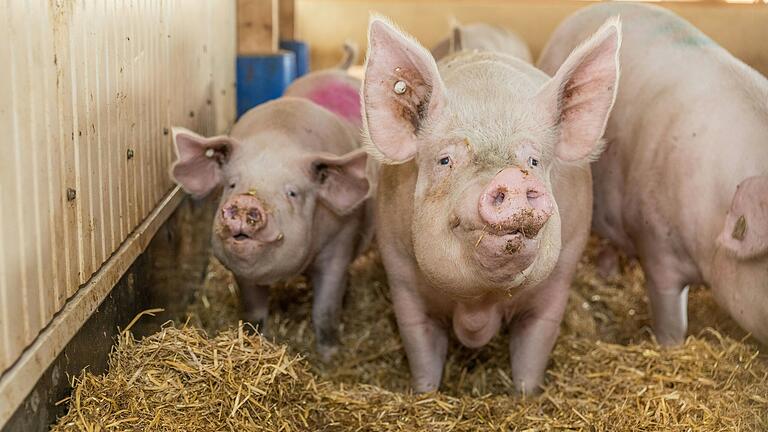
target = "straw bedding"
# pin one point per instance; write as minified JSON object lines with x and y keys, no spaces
{"x":206,"y":373}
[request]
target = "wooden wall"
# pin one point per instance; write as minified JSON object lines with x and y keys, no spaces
{"x":88,"y":94}
{"x":325,"y":24}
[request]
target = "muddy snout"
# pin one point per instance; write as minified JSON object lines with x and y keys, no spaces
{"x":515,"y":202}
{"x":242,"y":217}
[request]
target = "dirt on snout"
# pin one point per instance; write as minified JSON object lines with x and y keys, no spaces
{"x":527,"y":221}
{"x":513,"y":246}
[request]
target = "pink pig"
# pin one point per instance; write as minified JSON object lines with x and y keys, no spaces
{"x":294,"y":183}
{"x":484,"y":199}
{"x":683,"y":184}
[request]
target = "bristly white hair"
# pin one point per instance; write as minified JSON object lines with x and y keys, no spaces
{"x":376,"y":154}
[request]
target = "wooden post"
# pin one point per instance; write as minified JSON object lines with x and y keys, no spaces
{"x":257,"y":26}
{"x":287,"y":11}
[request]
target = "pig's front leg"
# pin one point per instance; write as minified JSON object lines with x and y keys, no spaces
{"x":533,"y":335}
{"x":255,"y":303}
{"x":329,"y":281}
{"x":425,"y":340}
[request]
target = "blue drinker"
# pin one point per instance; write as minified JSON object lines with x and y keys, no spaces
{"x":261,"y":78}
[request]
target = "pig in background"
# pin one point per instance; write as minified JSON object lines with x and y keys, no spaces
{"x":485,"y":196}
{"x":482,"y":37}
{"x":683,"y":184}
{"x":294,"y":186}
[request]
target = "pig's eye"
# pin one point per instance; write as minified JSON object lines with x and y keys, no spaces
{"x":232,"y":186}
{"x":533,"y":162}
{"x":445,"y":160}
{"x":291,"y":193}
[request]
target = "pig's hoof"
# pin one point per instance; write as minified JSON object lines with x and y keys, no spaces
{"x":327,"y":352}
{"x":522,"y":389}
{"x":423,"y":386}
{"x":327,"y":340}
{"x":256,"y":326}
{"x":608,"y":263}
{"x":670,"y":340}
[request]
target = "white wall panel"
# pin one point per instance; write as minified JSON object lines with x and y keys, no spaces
{"x":82,"y":83}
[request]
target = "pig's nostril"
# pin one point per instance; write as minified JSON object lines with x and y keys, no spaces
{"x":535,"y":198}
{"x":499,"y":198}
{"x":230,"y":212}
{"x":253,"y":217}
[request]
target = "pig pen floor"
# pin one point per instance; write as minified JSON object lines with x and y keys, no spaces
{"x":605,"y":374}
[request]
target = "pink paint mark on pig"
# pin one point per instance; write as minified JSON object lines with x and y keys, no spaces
{"x":339,"y":98}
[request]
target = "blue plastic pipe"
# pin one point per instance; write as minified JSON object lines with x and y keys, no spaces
{"x":302,"y":55}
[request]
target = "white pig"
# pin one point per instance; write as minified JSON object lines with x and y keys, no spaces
{"x":485,"y":197}
{"x":683,"y":184}
{"x":294,"y":181}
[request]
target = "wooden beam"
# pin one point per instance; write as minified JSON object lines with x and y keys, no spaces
{"x":257,"y":26}
{"x":287,"y":12}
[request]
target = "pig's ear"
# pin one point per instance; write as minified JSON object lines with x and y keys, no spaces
{"x":581,"y":94}
{"x":745,"y":233}
{"x":342,"y":183}
{"x":199,"y":160}
{"x":402,"y":91}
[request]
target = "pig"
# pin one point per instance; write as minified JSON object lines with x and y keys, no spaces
{"x":683,"y":184}
{"x":484,"y":196}
{"x":482,"y":37}
{"x":332,"y":88}
{"x":294,"y":195}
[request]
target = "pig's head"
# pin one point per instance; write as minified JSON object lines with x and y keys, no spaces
{"x":278,"y":186}
{"x":488,"y":133}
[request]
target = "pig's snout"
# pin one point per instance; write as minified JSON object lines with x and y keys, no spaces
{"x":242,"y":217}
{"x":515,"y":202}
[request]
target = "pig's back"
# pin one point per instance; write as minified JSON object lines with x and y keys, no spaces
{"x":294,"y":124}
{"x":334,"y":90}
{"x":658,"y":48}
{"x":682,"y":101}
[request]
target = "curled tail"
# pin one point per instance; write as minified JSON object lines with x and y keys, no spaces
{"x":350,"y":55}
{"x":450,"y":44}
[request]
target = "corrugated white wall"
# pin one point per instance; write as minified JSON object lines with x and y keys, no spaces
{"x":82,"y":85}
